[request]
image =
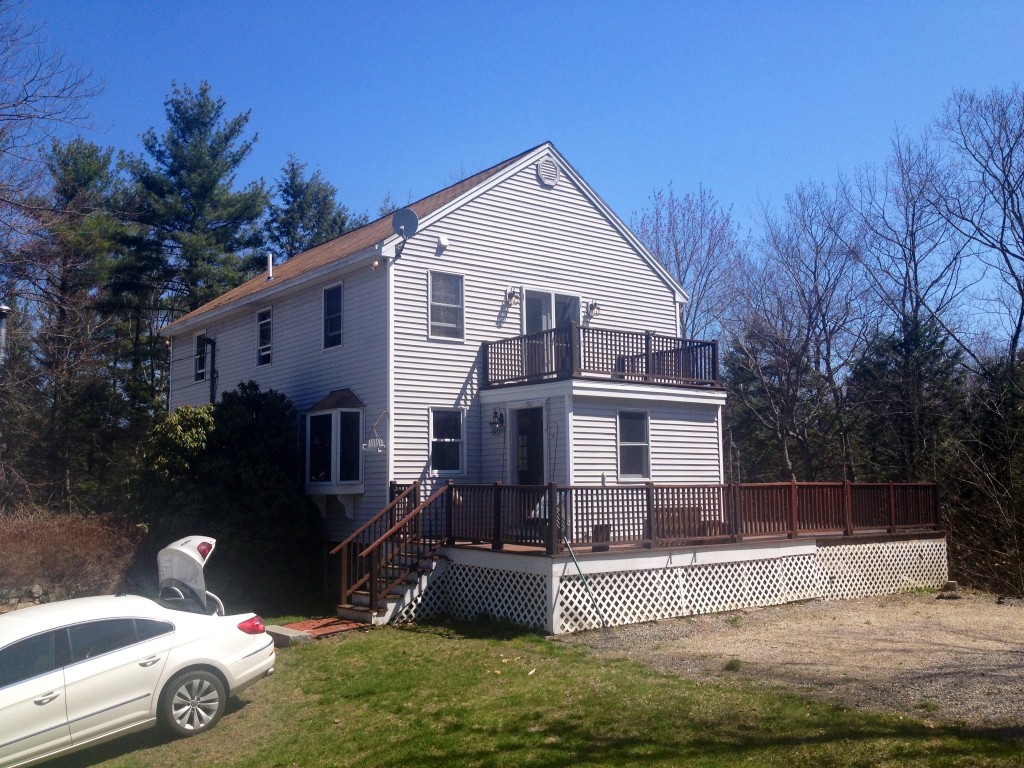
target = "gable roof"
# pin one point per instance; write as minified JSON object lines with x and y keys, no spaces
{"x":344,"y":246}
{"x":431,"y":207}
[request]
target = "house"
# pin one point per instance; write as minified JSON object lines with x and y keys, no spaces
{"x":499,"y":351}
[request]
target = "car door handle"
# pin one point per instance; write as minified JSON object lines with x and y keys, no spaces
{"x":149,"y":662}
{"x":46,"y":698}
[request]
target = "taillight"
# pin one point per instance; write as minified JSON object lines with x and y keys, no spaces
{"x":204,"y":548}
{"x":253,"y":626}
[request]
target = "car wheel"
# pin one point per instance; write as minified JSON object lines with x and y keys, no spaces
{"x":192,"y":702}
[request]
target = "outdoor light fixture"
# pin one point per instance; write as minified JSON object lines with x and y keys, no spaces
{"x":511,"y":297}
{"x":593,"y":309}
{"x":497,"y":422}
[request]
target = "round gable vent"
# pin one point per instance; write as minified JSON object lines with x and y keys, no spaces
{"x":548,"y":172}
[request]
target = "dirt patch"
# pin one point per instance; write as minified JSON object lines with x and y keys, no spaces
{"x":951,"y":660}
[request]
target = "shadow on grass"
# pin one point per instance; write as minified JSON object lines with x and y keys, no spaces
{"x":482,"y":628}
{"x":151,"y":738}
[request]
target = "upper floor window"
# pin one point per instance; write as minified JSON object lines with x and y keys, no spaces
{"x":264,"y":336}
{"x":447,"y":441}
{"x":332,"y":316}
{"x":199,"y":356}
{"x":634,"y":445}
{"x":446,"y":306}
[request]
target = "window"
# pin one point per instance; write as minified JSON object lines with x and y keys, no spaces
{"x":29,"y":658}
{"x":446,"y":441}
{"x":446,"y":313}
{"x":332,"y":317}
{"x":98,"y":637}
{"x":634,"y":445}
{"x":335,"y":446}
{"x":264,"y":336}
{"x":199,"y":356}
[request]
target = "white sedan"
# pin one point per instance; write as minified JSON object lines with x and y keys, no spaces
{"x":78,"y":672}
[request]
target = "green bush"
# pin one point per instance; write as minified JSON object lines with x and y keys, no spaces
{"x":232,"y":471}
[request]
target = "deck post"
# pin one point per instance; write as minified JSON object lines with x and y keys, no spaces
{"x":847,"y":508}
{"x":496,"y":542}
{"x":649,"y":526}
{"x":794,"y":519}
{"x":649,"y":355}
{"x":714,"y":363}
{"x":576,"y":349}
{"x":936,"y":512}
{"x":553,"y":526}
{"x":449,"y":511}
{"x":345,"y":566}
{"x":892,"y":508}
{"x":374,"y":585}
{"x":734,"y":511}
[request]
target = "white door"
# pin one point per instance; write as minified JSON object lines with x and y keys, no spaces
{"x":111,"y":682}
{"x":33,"y":718}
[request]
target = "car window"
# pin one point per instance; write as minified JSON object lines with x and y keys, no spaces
{"x":98,"y":637}
{"x":150,"y":628}
{"x":28,"y":658}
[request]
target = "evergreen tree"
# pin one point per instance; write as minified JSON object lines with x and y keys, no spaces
{"x":206,"y":232}
{"x":304,"y":212}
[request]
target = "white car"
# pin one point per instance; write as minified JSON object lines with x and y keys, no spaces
{"x":77,"y":672}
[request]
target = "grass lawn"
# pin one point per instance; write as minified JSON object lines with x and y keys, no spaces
{"x":494,"y":696}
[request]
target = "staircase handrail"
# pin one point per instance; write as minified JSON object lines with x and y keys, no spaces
{"x":397,"y":526}
{"x":369,"y":523}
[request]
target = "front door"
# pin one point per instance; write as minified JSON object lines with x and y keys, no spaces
{"x":529,"y":446}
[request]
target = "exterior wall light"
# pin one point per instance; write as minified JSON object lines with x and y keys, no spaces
{"x":497,"y":422}
{"x":512,"y":297}
{"x":593,"y":309}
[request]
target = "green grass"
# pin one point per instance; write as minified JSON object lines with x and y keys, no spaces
{"x":494,"y":696}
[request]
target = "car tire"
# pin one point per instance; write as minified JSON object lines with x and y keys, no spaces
{"x":192,"y":702}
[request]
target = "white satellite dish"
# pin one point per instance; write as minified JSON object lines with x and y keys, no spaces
{"x":405,"y":222}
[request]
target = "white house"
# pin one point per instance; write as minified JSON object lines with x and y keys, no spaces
{"x":502,"y":349}
{"x":379,"y":339}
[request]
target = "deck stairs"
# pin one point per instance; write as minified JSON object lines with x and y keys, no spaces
{"x":388,"y":562}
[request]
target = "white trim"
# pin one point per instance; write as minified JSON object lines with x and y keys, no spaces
{"x":335,"y":485}
{"x":463,"y":418}
{"x":195,"y":357}
{"x":622,"y":476}
{"x":430,"y":304}
{"x":270,"y":346}
{"x":341,"y":316}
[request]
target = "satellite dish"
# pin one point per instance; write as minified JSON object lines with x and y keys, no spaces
{"x":405,"y":223}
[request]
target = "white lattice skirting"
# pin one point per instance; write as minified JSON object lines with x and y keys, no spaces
{"x":550,"y":595}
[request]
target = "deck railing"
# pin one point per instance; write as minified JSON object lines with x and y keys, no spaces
{"x":398,"y":539}
{"x":577,"y":351}
{"x":659,"y":516}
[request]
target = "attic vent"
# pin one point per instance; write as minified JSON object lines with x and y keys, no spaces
{"x":548,"y":172}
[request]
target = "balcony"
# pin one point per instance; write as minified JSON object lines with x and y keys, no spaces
{"x":579,"y":352}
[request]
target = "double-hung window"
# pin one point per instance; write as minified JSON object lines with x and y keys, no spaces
{"x":634,"y":445}
{"x":447,"y":442}
{"x":332,"y":316}
{"x":199,"y":356}
{"x":447,"y":316}
{"x":264,"y":336}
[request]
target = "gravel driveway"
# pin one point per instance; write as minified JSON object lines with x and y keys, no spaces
{"x":952,"y":660}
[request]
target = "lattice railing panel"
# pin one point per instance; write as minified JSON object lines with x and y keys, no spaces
{"x":882,"y":568}
{"x":466,"y":592}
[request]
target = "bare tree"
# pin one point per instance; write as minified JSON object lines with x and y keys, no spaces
{"x":982,"y":199}
{"x":40,"y":91}
{"x":698,"y":242}
{"x":801,"y":324}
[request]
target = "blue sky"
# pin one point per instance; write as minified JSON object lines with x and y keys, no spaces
{"x":747,"y":98}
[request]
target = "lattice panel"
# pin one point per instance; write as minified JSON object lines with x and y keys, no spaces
{"x":882,"y":568}
{"x":631,"y":597}
{"x":466,"y":592}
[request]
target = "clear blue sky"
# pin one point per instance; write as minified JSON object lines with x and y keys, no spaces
{"x":746,"y":98}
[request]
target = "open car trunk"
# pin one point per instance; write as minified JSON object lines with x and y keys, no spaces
{"x":180,"y":574}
